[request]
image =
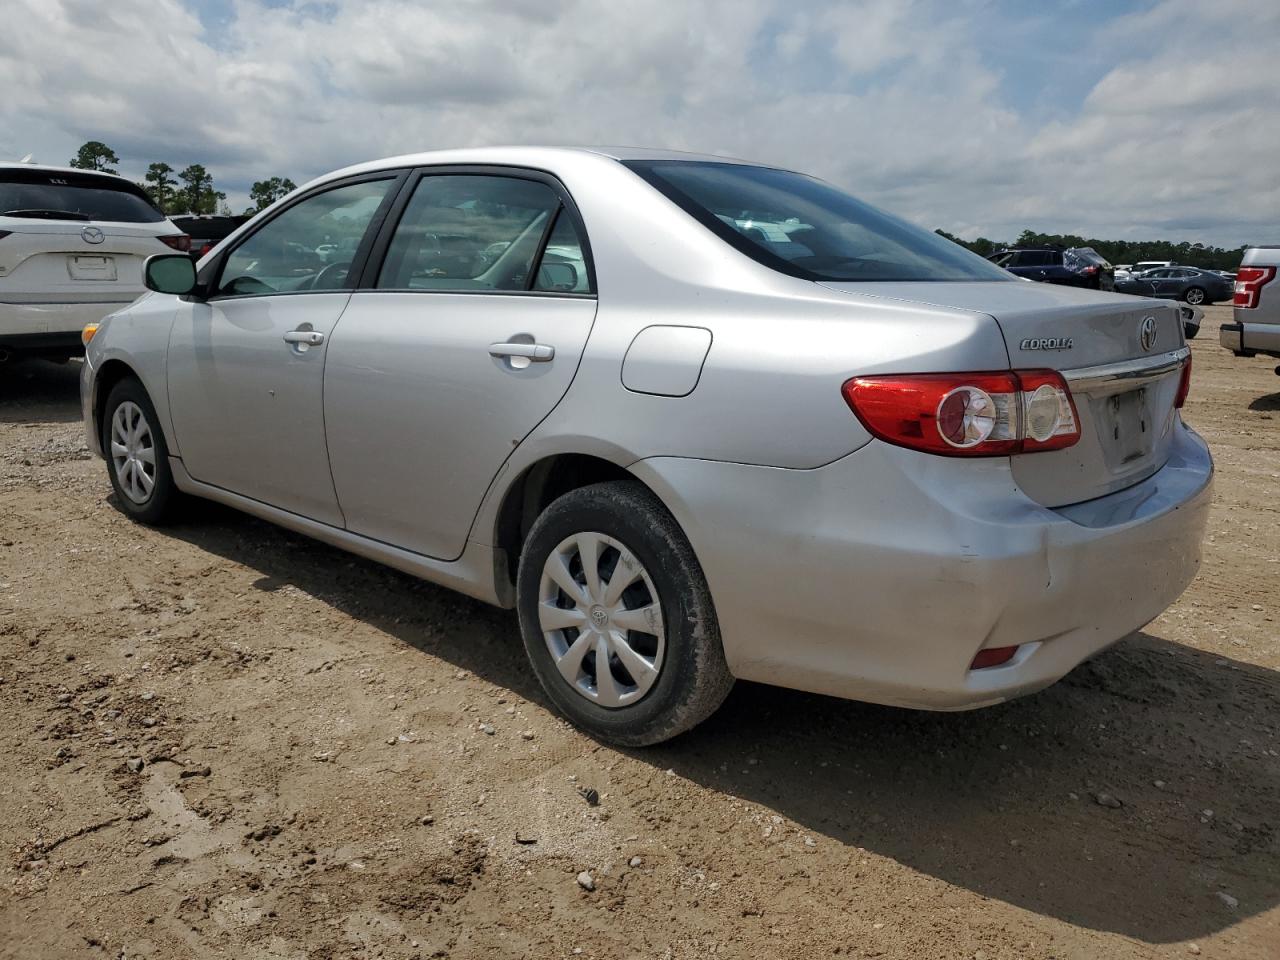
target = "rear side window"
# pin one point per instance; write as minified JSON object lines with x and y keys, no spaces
{"x":806,"y":228}
{"x":474,"y":232}
{"x":59,"y":195}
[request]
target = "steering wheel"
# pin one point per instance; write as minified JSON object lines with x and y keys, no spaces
{"x":321,"y":281}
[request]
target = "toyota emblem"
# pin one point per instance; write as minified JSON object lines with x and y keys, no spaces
{"x":92,"y":235}
{"x":1147,"y":333}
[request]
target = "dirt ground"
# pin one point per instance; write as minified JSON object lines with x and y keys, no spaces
{"x":224,"y":740}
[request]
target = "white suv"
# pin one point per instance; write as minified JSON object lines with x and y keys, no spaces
{"x":72,"y":245}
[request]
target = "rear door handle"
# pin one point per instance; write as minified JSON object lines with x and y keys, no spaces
{"x":310,"y":337}
{"x":535,"y":352}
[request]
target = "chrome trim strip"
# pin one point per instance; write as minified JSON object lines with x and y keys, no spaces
{"x":1127,"y":373}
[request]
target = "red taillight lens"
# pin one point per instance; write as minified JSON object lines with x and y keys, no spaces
{"x":181,"y":242}
{"x":992,"y":657}
{"x":967,"y":414}
{"x":1184,"y":385}
{"x":1249,"y":284}
{"x":208,"y":245}
{"x":1089,"y":271}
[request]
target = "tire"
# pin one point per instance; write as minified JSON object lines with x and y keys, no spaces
{"x":1194,"y":296}
{"x":129,"y":410}
{"x":690,"y":678}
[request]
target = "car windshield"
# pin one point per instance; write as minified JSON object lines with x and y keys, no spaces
{"x":63,"y":195}
{"x":806,"y":228}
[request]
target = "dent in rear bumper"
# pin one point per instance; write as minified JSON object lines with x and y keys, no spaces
{"x":878,"y":577}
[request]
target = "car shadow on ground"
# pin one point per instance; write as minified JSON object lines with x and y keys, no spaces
{"x":39,"y":391}
{"x":1013,"y":802}
{"x":1270,"y":401}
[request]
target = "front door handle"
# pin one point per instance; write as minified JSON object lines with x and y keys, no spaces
{"x":535,"y":352}
{"x":312,"y":338}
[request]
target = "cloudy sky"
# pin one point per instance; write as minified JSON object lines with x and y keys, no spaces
{"x":1146,"y":119}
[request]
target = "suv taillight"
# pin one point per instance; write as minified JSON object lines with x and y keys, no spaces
{"x":968,"y":414}
{"x":1249,"y":284}
{"x":181,"y":242}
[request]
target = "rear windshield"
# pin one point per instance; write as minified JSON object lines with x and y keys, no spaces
{"x":55,"y":195}
{"x":806,"y":228}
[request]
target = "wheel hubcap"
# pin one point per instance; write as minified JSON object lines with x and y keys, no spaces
{"x":601,"y":620}
{"x":133,"y":452}
{"x":1195,"y":296}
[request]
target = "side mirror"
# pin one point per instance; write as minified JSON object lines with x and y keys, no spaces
{"x":170,"y":273}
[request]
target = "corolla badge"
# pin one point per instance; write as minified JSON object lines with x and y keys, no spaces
{"x":1046,"y":343}
{"x":1147,"y":333}
{"x":92,"y":235}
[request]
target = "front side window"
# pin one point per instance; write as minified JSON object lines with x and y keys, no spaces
{"x":309,"y":246}
{"x":464,"y":232}
{"x":806,"y":228}
{"x":63,"y":195}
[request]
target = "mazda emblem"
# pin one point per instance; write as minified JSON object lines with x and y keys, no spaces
{"x":1147,"y":333}
{"x":92,"y":235}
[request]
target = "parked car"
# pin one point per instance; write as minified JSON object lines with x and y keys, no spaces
{"x":845,"y":456}
{"x":1191,"y":317}
{"x":1073,"y":266}
{"x":1123,"y":271}
{"x":72,"y":245}
{"x":1256,"y":329}
{"x":1191,"y":284}
{"x":1145,"y":265}
{"x":208,"y":230}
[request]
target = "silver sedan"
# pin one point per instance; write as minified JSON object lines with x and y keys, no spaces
{"x":694,"y":419}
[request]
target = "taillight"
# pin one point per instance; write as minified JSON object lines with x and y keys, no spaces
{"x":968,"y":414}
{"x":1184,"y":385}
{"x":180,"y":242}
{"x":1089,"y":271}
{"x":1249,"y":284}
{"x":208,"y":245}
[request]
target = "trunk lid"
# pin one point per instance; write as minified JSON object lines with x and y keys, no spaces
{"x":51,"y":261}
{"x":1124,"y":384}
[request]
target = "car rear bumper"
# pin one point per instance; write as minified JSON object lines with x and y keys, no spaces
{"x":880,"y":576}
{"x":41,"y":319}
{"x":1249,"y":338}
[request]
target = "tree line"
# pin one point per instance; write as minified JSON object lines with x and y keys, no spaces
{"x":1116,"y":251}
{"x":186,"y":191}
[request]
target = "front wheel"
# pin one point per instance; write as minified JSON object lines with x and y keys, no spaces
{"x":137,"y":456}
{"x":1194,"y":296}
{"x":617,"y":619}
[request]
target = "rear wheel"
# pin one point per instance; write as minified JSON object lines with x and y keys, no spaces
{"x":616,"y":616}
{"x":1194,"y":296}
{"x":136,"y":454}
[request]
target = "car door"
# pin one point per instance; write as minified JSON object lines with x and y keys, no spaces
{"x":466,"y":332}
{"x":1161,"y":281}
{"x":246,"y":364}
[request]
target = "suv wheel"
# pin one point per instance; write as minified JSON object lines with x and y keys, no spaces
{"x":617,"y":619}
{"x":136,"y":454}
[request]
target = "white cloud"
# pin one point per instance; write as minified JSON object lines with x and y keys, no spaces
{"x":893,"y":98}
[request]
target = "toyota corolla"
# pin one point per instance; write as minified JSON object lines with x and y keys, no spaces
{"x":694,"y":419}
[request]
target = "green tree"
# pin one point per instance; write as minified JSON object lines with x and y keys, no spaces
{"x":161,"y":187}
{"x":197,"y":195}
{"x":264,"y":193}
{"x":95,"y":155}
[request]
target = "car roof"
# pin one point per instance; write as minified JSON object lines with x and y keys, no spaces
{"x":532,"y":156}
{"x":75,"y":171}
